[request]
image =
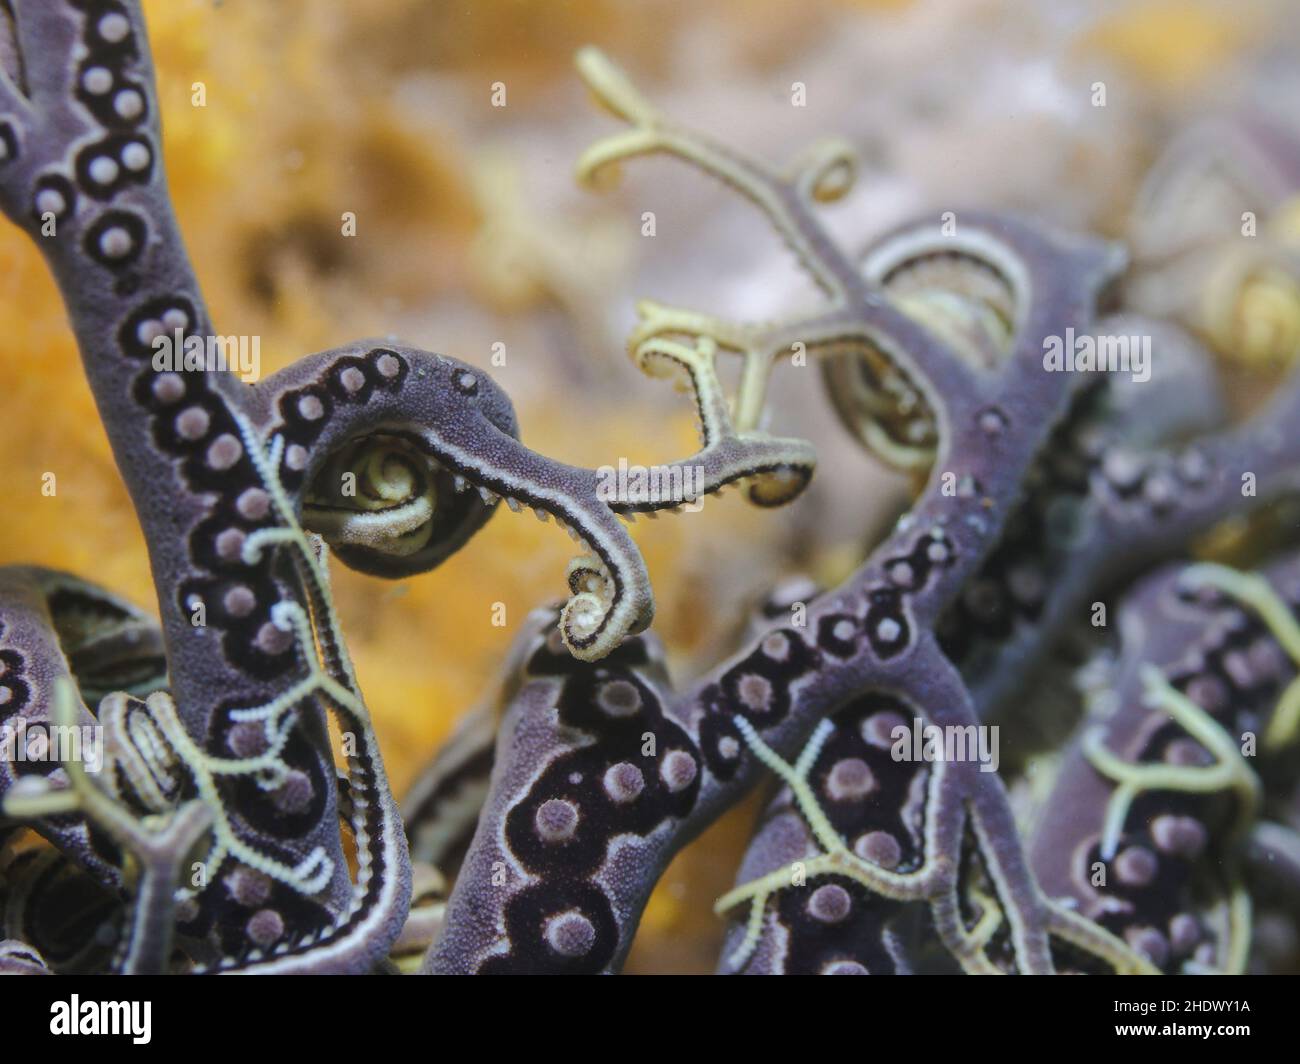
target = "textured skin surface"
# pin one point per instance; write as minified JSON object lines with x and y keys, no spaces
{"x":1167,"y":890}
{"x":1057,"y":550}
{"x":552,"y":848}
{"x":1177,"y":861}
{"x":995,"y":632}
{"x":833,"y":925}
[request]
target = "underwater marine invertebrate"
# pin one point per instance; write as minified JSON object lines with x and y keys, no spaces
{"x":233,"y":831}
{"x":223,"y":473}
{"x":875,"y":633}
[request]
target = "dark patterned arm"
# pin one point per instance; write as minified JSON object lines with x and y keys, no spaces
{"x":871,"y":633}
{"x":1149,"y":822}
{"x":394,"y":456}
